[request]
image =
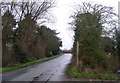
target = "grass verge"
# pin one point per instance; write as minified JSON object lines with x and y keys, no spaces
{"x":72,"y":72}
{"x":103,"y":76}
{"x":27,"y":64}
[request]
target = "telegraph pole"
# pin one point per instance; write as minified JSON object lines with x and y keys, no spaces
{"x":77,"y":54}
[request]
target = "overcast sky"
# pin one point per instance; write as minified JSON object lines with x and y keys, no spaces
{"x":62,"y":12}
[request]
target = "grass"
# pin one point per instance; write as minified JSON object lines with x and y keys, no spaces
{"x":27,"y":64}
{"x":103,"y":76}
{"x":72,"y":72}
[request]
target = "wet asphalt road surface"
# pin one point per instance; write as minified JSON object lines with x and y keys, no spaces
{"x":52,"y":70}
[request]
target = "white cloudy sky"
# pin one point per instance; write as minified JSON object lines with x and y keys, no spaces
{"x":62,"y":12}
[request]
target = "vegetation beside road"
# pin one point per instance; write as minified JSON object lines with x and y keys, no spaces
{"x":103,"y":76}
{"x":24,"y":36}
{"x":27,"y":64}
{"x":96,"y":46}
{"x":72,"y":72}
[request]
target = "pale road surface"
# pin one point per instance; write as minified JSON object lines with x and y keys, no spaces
{"x":52,"y":70}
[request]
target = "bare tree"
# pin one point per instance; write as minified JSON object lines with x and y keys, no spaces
{"x":40,"y":11}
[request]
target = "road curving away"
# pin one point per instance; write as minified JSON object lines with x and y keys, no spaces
{"x":52,"y":70}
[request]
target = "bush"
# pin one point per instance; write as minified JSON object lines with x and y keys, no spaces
{"x":20,"y":54}
{"x":94,"y":58}
{"x":8,"y":61}
{"x":23,"y":57}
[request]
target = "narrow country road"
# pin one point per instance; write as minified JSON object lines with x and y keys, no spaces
{"x":52,"y":70}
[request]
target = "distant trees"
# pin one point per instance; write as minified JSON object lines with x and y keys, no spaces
{"x":90,"y":24}
{"x":24,"y":39}
{"x":52,"y":42}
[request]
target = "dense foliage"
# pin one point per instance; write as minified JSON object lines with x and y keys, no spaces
{"x":51,"y":41}
{"x":96,"y":48}
{"x":24,"y":40}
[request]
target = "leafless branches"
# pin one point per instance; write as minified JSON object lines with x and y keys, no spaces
{"x":108,"y":18}
{"x":38,"y":10}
